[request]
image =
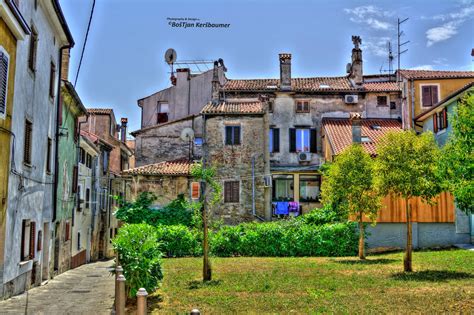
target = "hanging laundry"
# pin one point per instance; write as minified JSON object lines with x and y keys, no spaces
{"x":282,"y":207}
{"x":294,"y":206}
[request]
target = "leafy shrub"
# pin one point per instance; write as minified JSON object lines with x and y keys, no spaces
{"x":326,"y":214}
{"x":140,"y":256}
{"x":179,"y":240}
{"x":176,"y":212}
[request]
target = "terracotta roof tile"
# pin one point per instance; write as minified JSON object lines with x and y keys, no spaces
{"x":240,"y":108}
{"x":339,"y":132}
{"x":180,"y":167}
{"x":297,"y":84}
{"x":381,"y":87}
{"x":435,"y":74}
{"x":99,"y":111}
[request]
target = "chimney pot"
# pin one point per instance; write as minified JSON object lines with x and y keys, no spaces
{"x":356,"y":124}
{"x":285,"y":72}
{"x":123,"y":129}
{"x":356,"y":68}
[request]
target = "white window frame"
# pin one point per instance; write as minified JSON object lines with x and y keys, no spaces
{"x":421,"y":93}
{"x":302,"y":130}
{"x":3,"y":50}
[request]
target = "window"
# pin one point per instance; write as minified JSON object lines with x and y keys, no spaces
{"x":270,"y":106}
{"x":52,"y":79}
{"x":231,"y":191}
{"x":48,"y":156}
{"x":25,"y":240}
{"x":3,"y":82}
{"x":429,"y":95}
{"x":195,"y":190}
{"x":78,"y":240}
{"x":163,"y":110}
{"x":274,"y":140}
{"x":283,"y":186}
{"x":440,"y":120}
{"x":67,"y":232}
{"x":39,"y":243}
{"x":82,"y":156}
{"x":232,"y":135}
{"x":365,"y":139}
{"x":79,"y":198}
{"x":393,"y":105}
{"x":198,"y":141}
{"x":88,"y":197}
{"x":302,"y":106}
{"x":309,"y":188}
{"x":382,"y":101}
{"x":74,"y":179}
{"x":303,"y":140}
{"x":88,"y":160}
{"x":27,"y":144}
{"x":105,"y":161}
{"x":33,"y":49}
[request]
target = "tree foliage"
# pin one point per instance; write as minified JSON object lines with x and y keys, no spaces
{"x":458,"y":155}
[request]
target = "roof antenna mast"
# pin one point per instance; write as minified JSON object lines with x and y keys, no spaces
{"x":399,"y":44}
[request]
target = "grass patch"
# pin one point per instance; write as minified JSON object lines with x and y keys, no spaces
{"x":443,"y":281}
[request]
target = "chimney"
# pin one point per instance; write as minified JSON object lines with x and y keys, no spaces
{"x":356,"y":74}
{"x":65,"y":64}
{"x":183,"y":75}
{"x":356,"y":123}
{"x":285,"y":72}
{"x":215,"y":84}
{"x":123,"y":129}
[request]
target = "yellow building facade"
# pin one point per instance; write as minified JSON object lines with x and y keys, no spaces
{"x":12,"y":29}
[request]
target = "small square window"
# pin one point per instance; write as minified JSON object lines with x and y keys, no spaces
{"x":393,"y":105}
{"x":231,"y":192}
{"x":302,"y":106}
{"x":232,"y":135}
{"x":382,"y":100}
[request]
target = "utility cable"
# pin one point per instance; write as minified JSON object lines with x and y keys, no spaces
{"x":85,"y":42}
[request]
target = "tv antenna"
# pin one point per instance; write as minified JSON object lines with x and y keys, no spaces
{"x":400,"y":44}
{"x":187,"y":134}
{"x":170,"y":58}
{"x":390,"y":60}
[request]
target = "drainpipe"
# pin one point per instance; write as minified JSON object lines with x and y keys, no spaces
{"x":412,"y":120}
{"x":253,"y":186}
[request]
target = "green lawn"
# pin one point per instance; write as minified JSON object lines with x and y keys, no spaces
{"x":442,"y":281}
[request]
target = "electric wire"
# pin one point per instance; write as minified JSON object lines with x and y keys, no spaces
{"x":85,"y":42}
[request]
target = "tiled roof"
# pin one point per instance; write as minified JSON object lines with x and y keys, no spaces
{"x":316,"y":84}
{"x":100,"y":111}
{"x":436,"y":74}
{"x":422,"y":116}
{"x":381,"y":87}
{"x":339,"y":132}
{"x":139,"y":131}
{"x":297,"y":84}
{"x":240,"y":108}
{"x":179,"y":167}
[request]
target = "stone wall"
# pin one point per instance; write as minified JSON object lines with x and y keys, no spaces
{"x":234,"y":163}
{"x":163,"y":143}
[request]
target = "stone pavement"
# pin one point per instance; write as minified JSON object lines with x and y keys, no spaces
{"x":88,"y":289}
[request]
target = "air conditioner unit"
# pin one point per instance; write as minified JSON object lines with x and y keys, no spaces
{"x":304,"y":156}
{"x":267,"y":181}
{"x":351,"y":99}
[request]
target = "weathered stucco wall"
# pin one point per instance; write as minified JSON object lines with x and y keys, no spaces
{"x":166,"y":188}
{"x":234,"y":163}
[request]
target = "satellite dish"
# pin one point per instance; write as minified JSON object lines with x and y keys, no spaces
{"x":170,"y":56}
{"x":187,"y":134}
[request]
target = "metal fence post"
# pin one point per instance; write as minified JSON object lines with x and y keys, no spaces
{"x":120,"y":296}
{"x":141,"y":301}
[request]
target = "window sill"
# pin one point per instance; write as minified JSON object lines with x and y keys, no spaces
{"x":27,"y":165}
{"x":440,"y":132}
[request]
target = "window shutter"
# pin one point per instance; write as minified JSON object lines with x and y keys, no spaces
{"x":27,"y":144}
{"x":313,"y":141}
{"x":227,"y":191}
{"x":445,"y":117}
{"x":228,"y":135}
{"x":23,"y":239}
{"x":74,"y":179}
{"x":434,"y":94}
{"x":236,"y":135}
{"x":276,"y":140}
{"x":48,"y":156}
{"x":66,"y":237}
{"x":39,"y":242}
{"x":426,"y":95}
{"x":292,"y":140}
{"x":273,"y":189}
{"x":435,"y":123}
{"x":32,"y":239}
{"x":235,"y":191}
{"x":195,"y":190}
{"x":3,"y":82}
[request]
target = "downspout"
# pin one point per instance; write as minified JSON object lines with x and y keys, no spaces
{"x":412,"y":103}
{"x":253,"y":186}
{"x":56,"y":144}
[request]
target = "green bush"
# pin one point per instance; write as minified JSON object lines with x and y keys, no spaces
{"x":319,"y":216}
{"x":179,"y":240}
{"x":176,"y":212}
{"x":140,"y":256}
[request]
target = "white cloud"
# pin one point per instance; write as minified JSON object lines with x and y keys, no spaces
{"x":376,"y":46}
{"x":441,"y":33}
{"x":371,"y":16}
{"x":461,"y":14}
{"x":440,"y":61}
{"x":423,"y":67}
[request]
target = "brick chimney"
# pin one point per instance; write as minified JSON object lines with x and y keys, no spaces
{"x":183,"y":75}
{"x":123,"y":129}
{"x":215,"y":83}
{"x":356,"y":123}
{"x":285,"y":72}
{"x":356,"y":73}
{"x":65,"y":64}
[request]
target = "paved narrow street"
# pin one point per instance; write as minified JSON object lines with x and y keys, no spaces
{"x":88,"y":289}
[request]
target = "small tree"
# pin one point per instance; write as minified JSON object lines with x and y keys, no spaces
{"x":348,"y":182}
{"x":458,"y":155}
{"x":209,"y":197}
{"x":406,"y":167}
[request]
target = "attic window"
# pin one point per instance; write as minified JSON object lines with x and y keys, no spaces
{"x":365,"y":139}
{"x":324,"y":86}
{"x":273,"y":87}
{"x":375,"y":127}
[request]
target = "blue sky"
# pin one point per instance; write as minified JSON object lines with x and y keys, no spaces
{"x":124,"y":62}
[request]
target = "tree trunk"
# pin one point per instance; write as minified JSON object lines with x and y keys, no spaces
{"x":361,"y":238}
{"x":407,"y":261}
{"x":206,"y":268}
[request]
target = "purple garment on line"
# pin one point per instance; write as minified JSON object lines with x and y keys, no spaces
{"x":282,"y":207}
{"x":293,"y":206}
